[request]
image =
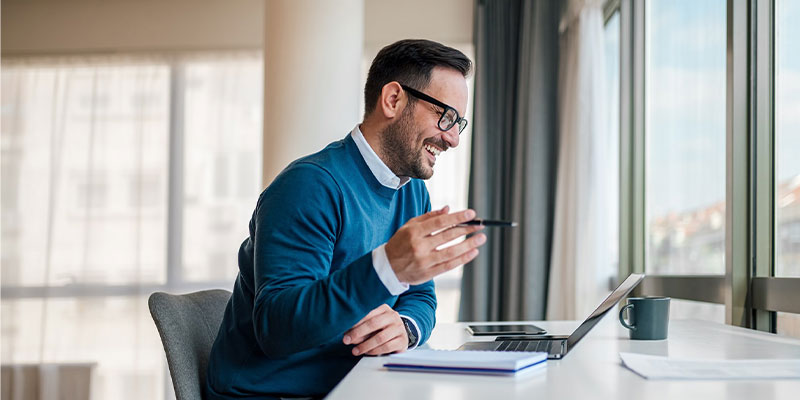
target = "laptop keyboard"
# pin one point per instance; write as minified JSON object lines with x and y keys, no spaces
{"x":524,"y":345}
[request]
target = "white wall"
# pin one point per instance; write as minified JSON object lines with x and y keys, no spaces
{"x":446,"y":21}
{"x":64,"y":26}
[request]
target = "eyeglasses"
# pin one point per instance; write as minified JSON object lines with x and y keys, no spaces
{"x":449,"y":116}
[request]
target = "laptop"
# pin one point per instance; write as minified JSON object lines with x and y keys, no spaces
{"x":558,"y":346}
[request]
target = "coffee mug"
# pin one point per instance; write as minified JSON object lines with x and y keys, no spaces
{"x":649,"y":317}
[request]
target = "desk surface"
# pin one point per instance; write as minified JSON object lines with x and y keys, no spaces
{"x":592,"y":370}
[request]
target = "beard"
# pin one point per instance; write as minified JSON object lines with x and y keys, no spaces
{"x":399,"y":147}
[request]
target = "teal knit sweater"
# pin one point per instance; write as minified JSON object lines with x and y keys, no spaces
{"x":306,"y":277}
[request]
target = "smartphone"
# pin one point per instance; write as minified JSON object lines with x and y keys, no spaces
{"x":494,"y":330}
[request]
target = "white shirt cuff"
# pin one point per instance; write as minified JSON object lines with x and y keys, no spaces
{"x":416,"y":328}
{"x":385,"y":272}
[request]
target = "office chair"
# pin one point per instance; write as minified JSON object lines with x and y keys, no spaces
{"x":188,"y":326}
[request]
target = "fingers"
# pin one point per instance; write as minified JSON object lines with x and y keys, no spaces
{"x":377,"y":310}
{"x":380,"y":332}
{"x":389,"y":338}
{"x":368,"y":326}
{"x":452,"y":263}
{"x":396,"y":345}
{"x":453,"y":233}
{"x":458,"y":250}
{"x":412,"y":249}
{"x":439,"y":222}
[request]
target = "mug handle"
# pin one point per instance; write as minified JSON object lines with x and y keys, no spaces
{"x":622,"y":319}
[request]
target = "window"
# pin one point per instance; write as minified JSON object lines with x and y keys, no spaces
{"x":80,"y":145}
{"x":711,"y":141}
{"x":222,"y":163}
{"x":685,"y":47}
{"x":787,"y":139}
{"x":90,"y":148}
{"x":787,"y":148}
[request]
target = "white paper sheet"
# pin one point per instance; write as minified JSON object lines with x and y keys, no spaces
{"x":660,"y":367}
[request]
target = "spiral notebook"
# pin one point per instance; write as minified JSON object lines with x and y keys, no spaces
{"x":467,"y":362}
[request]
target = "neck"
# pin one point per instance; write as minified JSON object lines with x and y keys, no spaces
{"x":371,"y":131}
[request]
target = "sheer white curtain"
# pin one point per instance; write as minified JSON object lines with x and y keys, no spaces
{"x":86,"y":172}
{"x":581,"y":257}
{"x":84,"y":151}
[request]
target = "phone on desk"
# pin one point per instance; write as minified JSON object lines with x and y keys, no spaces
{"x":494,"y":330}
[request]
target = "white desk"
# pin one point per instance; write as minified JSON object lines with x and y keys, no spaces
{"x":592,"y":370}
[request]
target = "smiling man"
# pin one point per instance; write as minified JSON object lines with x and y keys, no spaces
{"x":343,"y":244}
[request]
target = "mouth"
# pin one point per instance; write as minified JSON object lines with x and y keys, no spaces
{"x":433,"y":152}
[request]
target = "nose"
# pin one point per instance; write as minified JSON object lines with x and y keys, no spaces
{"x":451,"y":136}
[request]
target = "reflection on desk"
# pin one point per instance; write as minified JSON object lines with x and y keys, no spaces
{"x":592,"y":370}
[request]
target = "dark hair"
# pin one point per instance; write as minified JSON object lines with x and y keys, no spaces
{"x":410,"y":62}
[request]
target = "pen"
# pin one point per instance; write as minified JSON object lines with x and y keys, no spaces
{"x":489,"y":222}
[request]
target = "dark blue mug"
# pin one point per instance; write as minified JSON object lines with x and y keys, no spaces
{"x":648,"y":317}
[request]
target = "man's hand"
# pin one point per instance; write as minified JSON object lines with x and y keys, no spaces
{"x":380,"y":332}
{"x":412,"y":251}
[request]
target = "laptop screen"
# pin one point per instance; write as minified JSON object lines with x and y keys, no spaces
{"x":618,"y":294}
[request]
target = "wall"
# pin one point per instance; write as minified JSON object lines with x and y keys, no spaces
{"x":51,"y":26}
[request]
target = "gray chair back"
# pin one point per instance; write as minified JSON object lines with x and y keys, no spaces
{"x":188,"y":326}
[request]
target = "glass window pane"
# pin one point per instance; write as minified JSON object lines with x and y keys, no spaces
{"x":685,"y":48}
{"x":84,"y":161}
{"x":787,"y":138}
{"x":222,"y":161}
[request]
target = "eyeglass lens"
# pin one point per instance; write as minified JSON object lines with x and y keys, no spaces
{"x":449,"y":119}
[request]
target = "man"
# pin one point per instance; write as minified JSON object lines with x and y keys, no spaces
{"x":343,"y":245}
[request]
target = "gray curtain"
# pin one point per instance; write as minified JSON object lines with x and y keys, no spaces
{"x":514,"y":153}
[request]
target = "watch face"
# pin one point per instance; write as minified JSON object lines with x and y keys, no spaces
{"x":411,"y":337}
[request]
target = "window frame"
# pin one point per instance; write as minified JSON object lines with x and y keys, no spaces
{"x":750,"y":291}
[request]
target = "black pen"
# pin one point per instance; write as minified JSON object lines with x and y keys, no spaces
{"x":489,"y":222}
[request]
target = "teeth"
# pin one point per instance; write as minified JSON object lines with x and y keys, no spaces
{"x":433,"y":150}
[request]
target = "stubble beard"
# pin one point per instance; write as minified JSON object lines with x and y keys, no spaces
{"x":398,"y":145}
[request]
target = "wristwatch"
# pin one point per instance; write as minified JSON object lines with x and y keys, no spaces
{"x":412,"y":337}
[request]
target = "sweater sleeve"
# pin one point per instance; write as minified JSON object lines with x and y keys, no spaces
{"x":419,"y":303}
{"x":299,"y":304}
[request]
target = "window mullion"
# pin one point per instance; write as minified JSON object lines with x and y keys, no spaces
{"x":763,"y":136}
{"x":737,"y":210}
{"x":631,"y":182}
{"x":175,"y":174}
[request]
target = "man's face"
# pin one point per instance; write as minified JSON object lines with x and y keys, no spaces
{"x":412,"y":143}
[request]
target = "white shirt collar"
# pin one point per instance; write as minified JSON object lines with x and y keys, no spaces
{"x":382,"y":173}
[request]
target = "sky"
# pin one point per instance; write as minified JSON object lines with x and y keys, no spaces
{"x":685,"y":102}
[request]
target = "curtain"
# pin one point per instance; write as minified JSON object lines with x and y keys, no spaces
{"x":512,"y":173}
{"x":580,"y":255}
{"x":87,"y":177}
{"x":85,"y":143}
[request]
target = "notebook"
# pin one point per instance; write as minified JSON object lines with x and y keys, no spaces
{"x":467,"y":362}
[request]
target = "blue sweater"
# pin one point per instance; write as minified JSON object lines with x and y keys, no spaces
{"x":306,"y":277}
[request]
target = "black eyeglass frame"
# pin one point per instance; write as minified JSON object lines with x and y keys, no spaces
{"x":422,"y":96}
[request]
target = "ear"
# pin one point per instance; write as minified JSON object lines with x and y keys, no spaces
{"x":393,"y":100}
